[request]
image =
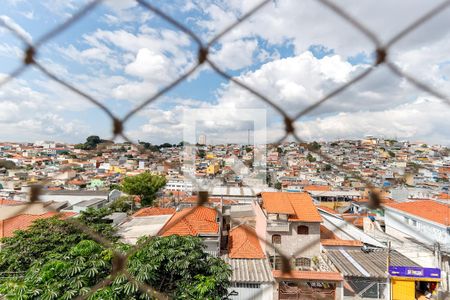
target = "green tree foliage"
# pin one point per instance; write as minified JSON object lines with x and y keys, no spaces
{"x":315,"y":146}
{"x":94,"y":218}
{"x":310,"y":158}
{"x":7,"y":164}
{"x":46,"y":237}
{"x":63,"y":275}
{"x":149,"y":146}
{"x":179,"y":267}
{"x":175,"y":265}
{"x":91,"y":143}
{"x":278,"y":185}
{"x":165,"y":145}
{"x":144,"y":185}
{"x":122,"y":204}
{"x":201,"y":153}
{"x":327,"y":167}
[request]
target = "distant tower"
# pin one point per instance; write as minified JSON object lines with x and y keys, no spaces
{"x":202,"y":139}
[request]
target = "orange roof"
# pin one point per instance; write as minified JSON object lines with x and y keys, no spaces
{"x":244,"y":243}
{"x":299,"y":206}
{"x":328,"y":238}
{"x":23,"y":221}
{"x":192,"y":221}
{"x":308,"y":275}
{"x":194,"y":199}
{"x":425,"y":209}
{"x":443,"y":196}
{"x":356,"y":219}
{"x":339,"y":242}
{"x":9,"y":202}
{"x":154,"y":211}
{"x":317,"y":188}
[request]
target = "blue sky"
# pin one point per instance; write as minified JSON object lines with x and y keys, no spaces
{"x":294,"y":53}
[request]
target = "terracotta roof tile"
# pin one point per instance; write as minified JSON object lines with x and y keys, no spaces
{"x":317,"y":188}
{"x":328,"y":238}
{"x":339,"y":242}
{"x":154,"y":211}
{"x":308,"y":275}
{"x":23,"y":221}
{"x":244,"y":243}
{"x":194,"y":199}
{"x":192,"y":221}
{"x":299,"y":206}
{"x":10,"y":202}
{"x":425,"y":209}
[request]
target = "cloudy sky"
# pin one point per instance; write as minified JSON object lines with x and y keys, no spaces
{"x":293,"y":52}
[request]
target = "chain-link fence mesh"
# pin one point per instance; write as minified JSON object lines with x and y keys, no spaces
{"x":381,"y":50}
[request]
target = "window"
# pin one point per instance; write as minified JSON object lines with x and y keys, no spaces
{"x":303,"y":263}
{"x":276,"y":239}
{"x":275,"y":262}
{"x":414,"y":222}
{"x":302,"y":229}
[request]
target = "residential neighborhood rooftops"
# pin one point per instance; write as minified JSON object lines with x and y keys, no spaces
{"x":358,"y":263}
{"x":244,"y":243}
{"x":192,"y":221}
{"x":154,"y":211}
{"x":23,"y":221}
{"x":299,"y":206}
{"x":425,"y":209}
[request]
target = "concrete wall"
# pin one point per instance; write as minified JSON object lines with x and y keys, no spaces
{"x":293,"y":244}
{"x":261,"y":224}
{"x":264,"y":292}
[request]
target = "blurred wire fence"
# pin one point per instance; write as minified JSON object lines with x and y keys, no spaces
{"x":381,"y":50}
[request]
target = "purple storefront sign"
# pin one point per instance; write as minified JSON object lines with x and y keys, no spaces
{"x":415,"y":272}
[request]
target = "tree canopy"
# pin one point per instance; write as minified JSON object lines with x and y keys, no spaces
{"x":46,"y":237}
{"x":144,"y":185}
{"x":174,"y":265}
{"x":91,"y":143}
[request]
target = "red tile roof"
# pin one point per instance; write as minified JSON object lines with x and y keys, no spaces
{"x":317,"y":188}
{"x":154,"y":211}
{"x":192,"y":221}
{"x":194,"y":199}
{"x":23,"y":221}
{"x":425,"y":209}
{"x":244,"y":243}
{"x":10,"y":202}
{"x":328,"y":238}
{"x":299,"y":206}
{"x":307,"y":275}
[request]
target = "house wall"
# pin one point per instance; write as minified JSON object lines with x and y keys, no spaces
{"x":417,"y":228}
{"x":263,"y":292}
{"x":260,"y":224}
{"x":293,"y":244}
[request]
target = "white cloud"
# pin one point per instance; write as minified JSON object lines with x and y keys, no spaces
{"x":292,"y":83}
{"x":424,"y":119}
{"x":235,"y":55}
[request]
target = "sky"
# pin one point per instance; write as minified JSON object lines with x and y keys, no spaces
{"x":293,"y":52}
